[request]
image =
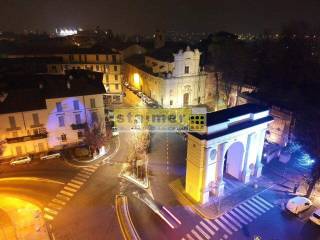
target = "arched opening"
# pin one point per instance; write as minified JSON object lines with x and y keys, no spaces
{"x":186,"y":99}
{"x":233,"y":160}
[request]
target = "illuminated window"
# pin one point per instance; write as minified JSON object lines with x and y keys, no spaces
{"x":59,"y":107}
{"x":92,"y":103}
{"x":19,"y":150}
{"x":94,"y":117}
{"x":61,"y":121}
{"x":12,"y":122}
{"x":76,"y":105}
{"x":78,"y":118}
{"x":63,"y":137}
{"x":35,"y":117}
{"x":80,"y":134}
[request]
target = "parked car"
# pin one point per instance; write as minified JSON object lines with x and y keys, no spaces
{"x":315,"y":217}
{"x":20,"y":160}
{"x":51,"y":155}
{"x":115,"y":132}
{"x":298,"y":204}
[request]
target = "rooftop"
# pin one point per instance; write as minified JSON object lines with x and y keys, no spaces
{"x":223,"y":115}
{"x":29,"y":92}
{"x":166,"y":53}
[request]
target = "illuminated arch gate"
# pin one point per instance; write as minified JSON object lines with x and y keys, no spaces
{"x":234,"y":137}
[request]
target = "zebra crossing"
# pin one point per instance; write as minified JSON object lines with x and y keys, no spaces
{"x":231,"y":221}
{"x":68,"y":191}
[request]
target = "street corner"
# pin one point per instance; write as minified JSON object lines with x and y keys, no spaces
{"x":24,"y":220}
{"x":206,"y":211}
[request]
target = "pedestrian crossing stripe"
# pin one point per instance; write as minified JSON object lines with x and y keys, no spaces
{"x":202,"y":232}
{"x":256,"y":207}
{"x":83,"y":175}
{"x":230,"y":221}
{"x":223,"y":226}
{"x":237,"y":210}
{"x":196,"y":234}
{"x":250,"y":208}
{"x":55,"y":200}
{"x":260,"y":204}
{"x":247,"y":211}
{"x":207,"y":228}
{"x":73,"y":185}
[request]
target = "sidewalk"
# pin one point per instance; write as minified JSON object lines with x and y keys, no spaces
{"x":23,"y":220}
{"x":218,"y":205}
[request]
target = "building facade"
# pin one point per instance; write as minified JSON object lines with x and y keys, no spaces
{"x":50,"y":113}
{"x":172,"y":79}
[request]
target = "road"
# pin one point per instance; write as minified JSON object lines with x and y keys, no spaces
{"x":80,"y":201}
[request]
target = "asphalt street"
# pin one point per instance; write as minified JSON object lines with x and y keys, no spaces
{"x":79,"y":201}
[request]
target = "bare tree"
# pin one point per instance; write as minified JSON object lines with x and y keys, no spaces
{"x":96,"y":135}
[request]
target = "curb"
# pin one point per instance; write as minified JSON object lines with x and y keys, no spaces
{"x":127,"y":228}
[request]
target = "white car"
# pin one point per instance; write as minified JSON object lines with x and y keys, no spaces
{"x":298,"y":204}
{"x":20,"y":160}
{"x":115,"y":132}
{"x":315,"y":217}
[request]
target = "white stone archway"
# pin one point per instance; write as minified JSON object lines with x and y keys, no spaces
{"x":233,"y":160}
{"x":235,"y":137}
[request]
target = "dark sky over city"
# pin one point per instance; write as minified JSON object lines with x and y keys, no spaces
{"x":143,"y":16}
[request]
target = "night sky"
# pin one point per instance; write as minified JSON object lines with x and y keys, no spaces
{"x":144,"y":16}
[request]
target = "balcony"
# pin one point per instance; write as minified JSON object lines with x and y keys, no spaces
{"x":27,"y":138}
{"x":78,"y":126}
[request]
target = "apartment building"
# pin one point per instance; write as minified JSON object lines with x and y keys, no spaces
{"x":43,"y":112}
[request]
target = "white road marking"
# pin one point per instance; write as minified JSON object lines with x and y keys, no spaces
{"x":54,"y":206}
{"x":196,"y":234}
{"x":77,"y":178}
{"x":48,"y":217}
{"x":202,"y":232}
{"x":207,"y":228}
{"x":235,"y":214}
{"x":76,"y":182}
{"x":212,"y":225}
{"x":256,"y":206}
{"x":267,"y":203}
{"x":55,"y":200}
{"x":89,"y":170}
{"x":92,"y":167}
{"x":70,"y":189}
{"x":73,"y":185}
{"x":247,"y":211}
{"x":247,"y":206}
{"x":83,"y":175}
{"x":51,"y":211}
{"x":227,"y":215}
{"x":228,"y":223}
{"x":261,"y":204}
{"x":62,"y":197}
{"x":66,"y":193}
{"x":189,"y":237}
{"x":237,"y":210}
{"x":223,"y":226}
